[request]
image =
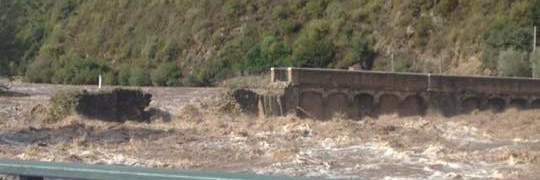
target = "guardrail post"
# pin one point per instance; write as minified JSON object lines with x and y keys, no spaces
{"x":292,"y":76}
{"x":30,"y":178}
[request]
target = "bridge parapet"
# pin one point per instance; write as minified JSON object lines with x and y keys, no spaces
{"x":359,"y":80}
{"x":392,"y":81}
{"x":485,"y":85}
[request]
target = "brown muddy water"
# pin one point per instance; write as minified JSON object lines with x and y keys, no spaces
{"x":200,"y":135}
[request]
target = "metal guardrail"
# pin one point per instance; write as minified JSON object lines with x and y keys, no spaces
{"x":37,"y":170}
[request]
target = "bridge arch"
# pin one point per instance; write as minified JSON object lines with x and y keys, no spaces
{"x":310,"y":105}
{"x":470,"y":104}
{"x":518,"y":103}
{"x":412,"y":105}
{"x":535,"y":104}
{"x":337,"y":104}
{"x":388,"y":104}
{"x":496,"y":104}
{"x":364,"y":105}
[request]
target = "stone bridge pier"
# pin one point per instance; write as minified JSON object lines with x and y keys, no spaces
{"x":325,"y":93}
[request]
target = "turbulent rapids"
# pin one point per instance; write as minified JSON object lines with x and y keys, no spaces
{"x":204,"y":128}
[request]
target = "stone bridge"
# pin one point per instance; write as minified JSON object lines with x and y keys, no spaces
{"x":323,"y":93}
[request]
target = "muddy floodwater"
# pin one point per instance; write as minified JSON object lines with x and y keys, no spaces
{"x":201,"y":131}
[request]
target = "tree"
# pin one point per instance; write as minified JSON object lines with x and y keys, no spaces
{"x":362,"y":53}
{"x":313,"y":48}
{"x":505,"y":36}
{"x":9,"y":11}
{"x":268,"y":53}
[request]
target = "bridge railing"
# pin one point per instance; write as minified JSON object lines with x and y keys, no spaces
{"x":36,"y":170}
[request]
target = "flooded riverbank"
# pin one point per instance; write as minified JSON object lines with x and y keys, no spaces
{"x":204,"y":134}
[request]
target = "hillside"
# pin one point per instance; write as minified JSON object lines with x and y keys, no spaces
{"x":197,"y":43}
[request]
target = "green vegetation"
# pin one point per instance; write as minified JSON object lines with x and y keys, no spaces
{"x":200,"y":43}
{"x":63,"y":103}
{"x":513,"y":62}
{"x":535,"y":63}
{"x":506,"y":36}
{"x":166,"y":74}
{"x":133,"y":76}
{"x":266,"y":54}
{"x":360,"y":52}
{"x":313,"y":48}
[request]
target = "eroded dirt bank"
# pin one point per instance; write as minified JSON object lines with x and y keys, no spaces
{"x":199,"y":135}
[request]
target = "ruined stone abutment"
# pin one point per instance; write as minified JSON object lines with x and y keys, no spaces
{"x":113,"y":105}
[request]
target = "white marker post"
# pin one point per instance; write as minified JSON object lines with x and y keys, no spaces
{"x":534,"y":49}
{"x":534,"y":38}
{"x":99,"y":81}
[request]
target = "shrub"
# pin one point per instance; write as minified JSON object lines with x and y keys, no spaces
{"x":315,"y":8}
{"x":312,"y":48}
{"x":335,"y":10}
{"x":361,"y":52}
{"x":505,"y":36}
{"x":62,"y":103}
{"x":289,"y":26}
{"x":281,"y":12}
{"x":133,"y":75}
{"x":123,"y":75}
{"x":535,"y":63}
{"x":234,"y":8}
{"x":268,"y":53}
{"x":406,"y":65}
{"x":138,"y":77}
{"x":536,"y":12}
{"x":513,"y":62}
{"x":166,"y":74}
{"x":211,"y":72}
{"x":109,"y":78}
{"x":191,"y":81}
{"x":84,"y":71}
{"x":171,"y":51}
{"x":446,"y":7}
{"x":150,"y":48}
{"x":39,"y":71}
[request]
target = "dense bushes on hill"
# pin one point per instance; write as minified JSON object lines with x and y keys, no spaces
{"x":513,"y":62}
{"x":166,"y":74}
{"x":270,"y":52}
{"x":132,"y":41}
{"x":534,"y":58}
{"x":313,"y":48}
